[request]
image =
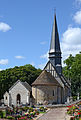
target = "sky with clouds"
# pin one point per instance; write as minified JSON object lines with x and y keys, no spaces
{"x":26,"y":26}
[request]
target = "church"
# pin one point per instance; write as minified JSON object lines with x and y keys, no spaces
{"x":51,"y":86}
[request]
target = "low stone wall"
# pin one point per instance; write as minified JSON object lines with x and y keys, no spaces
{"x":3,"y":107}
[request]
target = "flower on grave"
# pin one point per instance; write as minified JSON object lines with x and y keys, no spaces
{"x":26,"y":113}
{"x":75,"y":114}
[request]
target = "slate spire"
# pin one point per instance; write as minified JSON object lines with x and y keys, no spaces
{"x":55,"y":45}
{"x":55,"y":51}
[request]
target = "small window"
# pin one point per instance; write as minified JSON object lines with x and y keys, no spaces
{"x":53,"y":93}
{"x":6,"y":97}
{"x":31,"y":94}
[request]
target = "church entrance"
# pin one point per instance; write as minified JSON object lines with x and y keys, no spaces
{"x":18,"y":99}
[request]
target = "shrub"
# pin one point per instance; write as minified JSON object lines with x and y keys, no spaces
{"x":69,"y":112}
{"x":74,"y":98}
{"x":10,"y":117}
{"x":42,"y":109}
{"x":2,"y":114}
{"x":25,"y":108}
{"x":30,"y":109}
{"x":18,"y":116}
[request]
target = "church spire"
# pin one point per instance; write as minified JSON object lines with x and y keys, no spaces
{"x":55,"y":51}
{"x":55,"y":45}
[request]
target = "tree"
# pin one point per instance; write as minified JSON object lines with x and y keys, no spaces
{"x":72,"y":70}
{"x":9,"y":76}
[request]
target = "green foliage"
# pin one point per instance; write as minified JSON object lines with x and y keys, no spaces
{"x":25,"y":108}
{"x":18,"y":116}
{"x":72,"y":71}
{"x":74,"y":98}
{"x":2,"y":114}
{"x":42,"y":109}
{"x":9,"y":76}
{"x":69,"y":112}
{"x":10,"y":117}
{"x":30,"y":109}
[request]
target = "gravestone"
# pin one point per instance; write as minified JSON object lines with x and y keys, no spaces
{"x":68,"y":100}
{"x":78,"y":96}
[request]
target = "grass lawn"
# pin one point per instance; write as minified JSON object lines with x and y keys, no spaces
{"x":42,"y":112}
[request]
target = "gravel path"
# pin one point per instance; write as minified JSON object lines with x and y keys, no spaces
{"x":55,"y":114}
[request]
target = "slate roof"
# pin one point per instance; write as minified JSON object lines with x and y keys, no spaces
{"x":55,"y":44}
{"x":46,"y":79}
{"x":25,"y":84}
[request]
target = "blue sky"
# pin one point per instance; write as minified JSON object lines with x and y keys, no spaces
{"x":26,"y":26}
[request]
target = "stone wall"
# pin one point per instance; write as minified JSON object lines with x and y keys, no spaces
{"x":6,"y":98}
{"x":59,"y":95}
{"x":46,"y":93}
{"x":66,"y":93}
{"x":19,"y":89}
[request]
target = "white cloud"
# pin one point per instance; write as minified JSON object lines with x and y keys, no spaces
{"x":19,"y":57}
{"x":72,"y":36}
{"x":0,"y":69}
{"x":4,"y":27}
{"x":71,"y":42}
{"x":45,"y":56}
{"x":77,"y":17}
{"x":78,"y":1}
{"x":4,"y":61}
{"x":43,"y":43}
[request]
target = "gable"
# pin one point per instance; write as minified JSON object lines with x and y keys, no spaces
{"x":50,"y":68}
{"x":6,"y":94}
{"x":17,"y":87}
{"x":25,"y":85}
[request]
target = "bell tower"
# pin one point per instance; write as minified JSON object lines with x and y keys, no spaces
{"x":55,"y":51}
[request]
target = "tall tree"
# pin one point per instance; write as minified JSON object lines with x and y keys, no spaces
{"x":72,"y":71}
{"x":9,"y":76}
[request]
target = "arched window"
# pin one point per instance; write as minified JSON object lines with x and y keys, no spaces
{"x":6,"y":97}
{"x":18,"y":99}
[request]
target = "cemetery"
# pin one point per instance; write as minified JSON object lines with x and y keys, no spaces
{"x":48,"y":93}
{"x":21,"y":113}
